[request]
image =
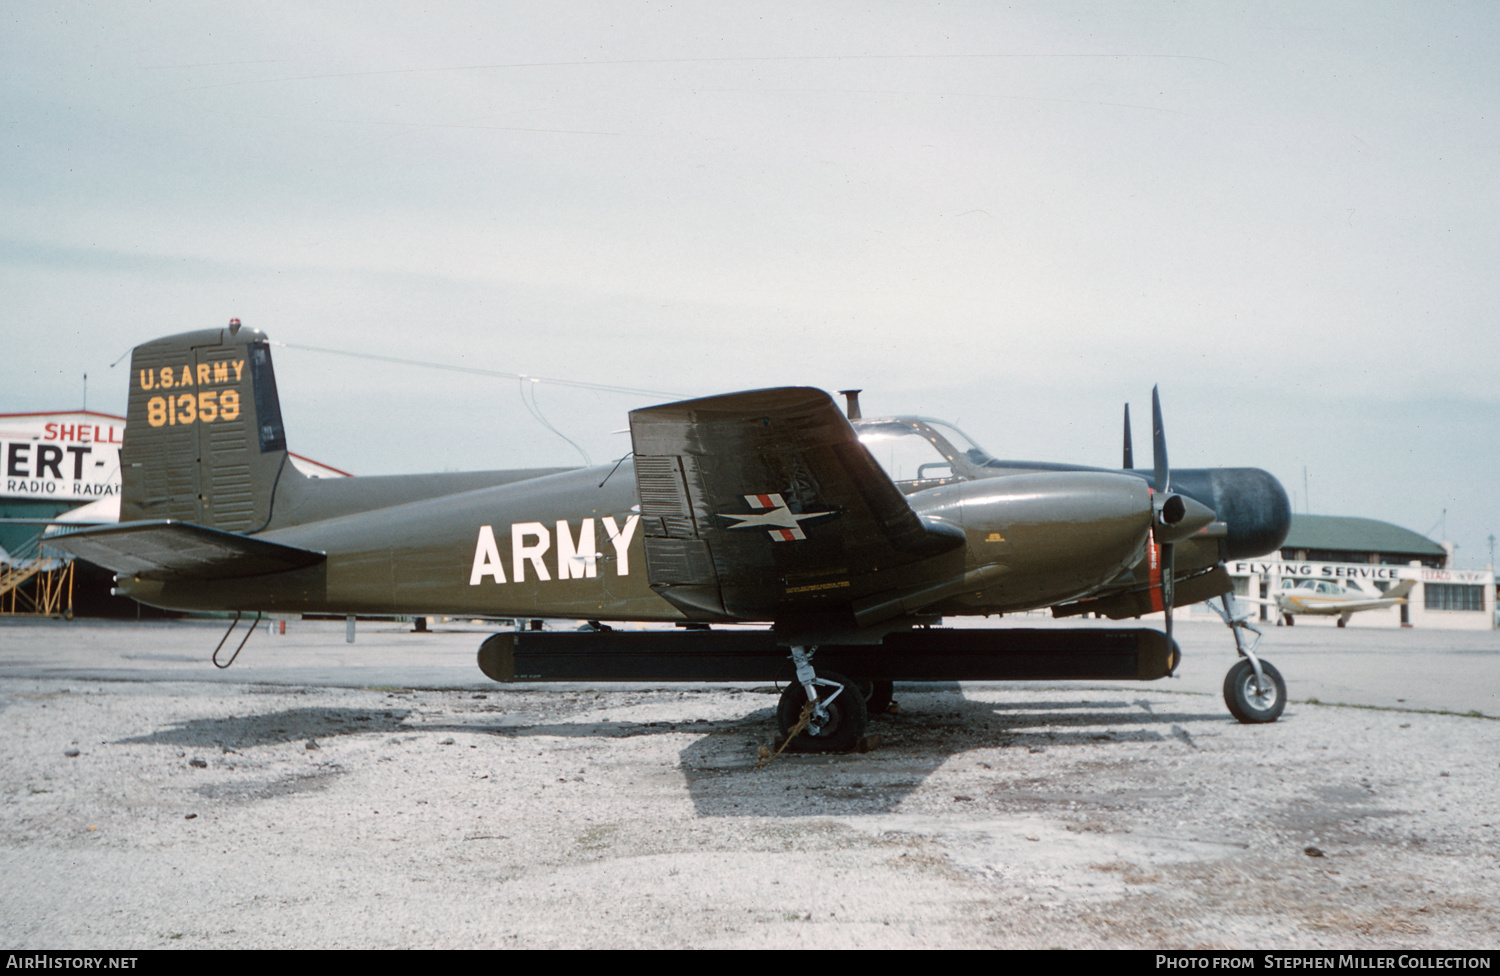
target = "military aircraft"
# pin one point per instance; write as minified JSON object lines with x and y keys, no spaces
{"x":1329,"y":598}
{"x":846,"y":538}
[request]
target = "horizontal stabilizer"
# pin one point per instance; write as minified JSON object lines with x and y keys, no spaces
{"x":172,"y":550}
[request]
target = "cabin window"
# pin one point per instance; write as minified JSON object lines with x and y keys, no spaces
{"x":960,"y":441}
{"x":904,"y":453}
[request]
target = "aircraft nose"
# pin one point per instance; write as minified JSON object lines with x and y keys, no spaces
{"x":1250,"y":501}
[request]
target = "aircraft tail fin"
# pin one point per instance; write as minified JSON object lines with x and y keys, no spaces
{"x":204,"y":441}
{"x":1400,"y":590}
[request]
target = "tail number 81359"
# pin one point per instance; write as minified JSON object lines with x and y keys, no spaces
{"x":188,"y":408}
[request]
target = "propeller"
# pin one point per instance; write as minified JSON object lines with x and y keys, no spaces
{"x":1168,"y":509}
{"x":1173,"y":517}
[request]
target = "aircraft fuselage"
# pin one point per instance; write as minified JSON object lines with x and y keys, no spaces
{"x":570,"y":544}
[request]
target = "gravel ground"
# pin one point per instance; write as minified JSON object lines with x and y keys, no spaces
{"x":241,"y":812}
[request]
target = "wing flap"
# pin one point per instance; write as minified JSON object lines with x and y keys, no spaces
{"x":171,"y":550}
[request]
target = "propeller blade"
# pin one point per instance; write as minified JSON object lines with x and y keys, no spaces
{"x":1163,"y":488}
{"x":1129,"y":454}
{"x":1159,"y":446}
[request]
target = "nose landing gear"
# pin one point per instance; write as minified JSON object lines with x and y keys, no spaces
{"x":1254,"y":698}
{"x":1253,"y":689}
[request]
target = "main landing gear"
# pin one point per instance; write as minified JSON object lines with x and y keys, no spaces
{"x":879,"y":696}
{"x":830,"y":712}
{"x":821,"y":714}
{"x":1253,"y":689}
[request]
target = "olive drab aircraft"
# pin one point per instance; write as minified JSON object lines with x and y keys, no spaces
{"x":847,"y":539}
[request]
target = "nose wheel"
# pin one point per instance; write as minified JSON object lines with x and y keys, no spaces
{"x":1253,"y":689}
{"x":1252,"y":698}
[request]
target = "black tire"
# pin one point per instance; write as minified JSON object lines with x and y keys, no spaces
{"x":879,"y":695}
{"x":846,"y":723}
{"x":1240,"y":693}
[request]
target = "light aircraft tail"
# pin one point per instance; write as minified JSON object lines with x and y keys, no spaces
{"x":1400,"y":590}
{"x":204,"y":442}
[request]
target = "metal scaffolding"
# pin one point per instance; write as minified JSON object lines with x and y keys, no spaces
{"x":36,"y":584}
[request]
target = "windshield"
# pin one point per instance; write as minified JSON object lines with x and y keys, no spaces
{"x":960,"y":442}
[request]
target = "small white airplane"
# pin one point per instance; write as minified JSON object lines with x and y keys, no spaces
{"x":1327,"y":598}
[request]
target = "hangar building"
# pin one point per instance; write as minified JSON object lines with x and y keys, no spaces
{"x":65,"y":466}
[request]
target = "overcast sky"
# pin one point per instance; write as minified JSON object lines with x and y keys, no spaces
{"x":1017,"y":217}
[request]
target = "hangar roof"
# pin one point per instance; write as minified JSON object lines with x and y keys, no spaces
{"x":1343,"y":532}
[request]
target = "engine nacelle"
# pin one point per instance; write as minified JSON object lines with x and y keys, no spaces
{"x":1057,"y":534}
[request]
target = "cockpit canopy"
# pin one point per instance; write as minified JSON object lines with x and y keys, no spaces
{"x":919,"y":453}
{"x":1313,"y":586}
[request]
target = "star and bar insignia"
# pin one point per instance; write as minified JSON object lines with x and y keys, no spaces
{"x":779,"y":521}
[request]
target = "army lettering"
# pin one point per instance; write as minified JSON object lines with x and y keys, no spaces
{"x":530,"y":542}
{"x":209,"y":374}
{"x":206,"y":406}
{"x":520,"y":551}
{"x":576,"y":561}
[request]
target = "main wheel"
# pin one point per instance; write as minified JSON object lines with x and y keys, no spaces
{"x":842,"y":725}
{"x":878,"y":696}
{"x":1249,"y":703}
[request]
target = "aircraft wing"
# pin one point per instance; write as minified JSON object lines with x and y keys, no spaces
{"x":1350,"y":606}
{"x":172,"y":550}
{"x":766,"y":501}
{"x":1134,"y":603}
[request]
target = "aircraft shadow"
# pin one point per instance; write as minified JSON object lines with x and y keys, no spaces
{"x":720,"y":764}
{"x":932,"y":729}
{"x":273,"y":728}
